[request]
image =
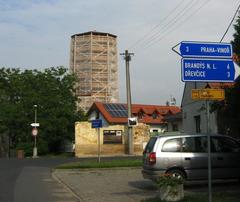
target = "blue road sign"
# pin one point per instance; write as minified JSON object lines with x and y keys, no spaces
{"x":97,"y":123}
{"x":208,"y":70}
{"x":205,"y":50}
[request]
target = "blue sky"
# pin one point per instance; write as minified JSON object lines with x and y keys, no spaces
{"x":36,"y":34}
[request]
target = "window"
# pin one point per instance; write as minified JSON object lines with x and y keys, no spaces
{"x":173,"y":145}
{"x":150,"y":145}
{"x":140,"y":115}
{"x":194,"y":144}
{"x":225,"y":145}
{"x":174,"y":127}
{"x":154,"y":115}
{"x":112,"y":137}
{"x":198,"y":123}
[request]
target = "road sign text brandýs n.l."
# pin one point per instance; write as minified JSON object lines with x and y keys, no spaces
{"x":208,"y":70}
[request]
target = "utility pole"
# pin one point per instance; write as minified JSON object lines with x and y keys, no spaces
{"x":127,"y":58}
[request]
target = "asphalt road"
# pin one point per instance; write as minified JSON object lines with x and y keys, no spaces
{"x":28,"y":180}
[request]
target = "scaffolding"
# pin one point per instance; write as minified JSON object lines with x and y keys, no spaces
{"x":94,"y":60}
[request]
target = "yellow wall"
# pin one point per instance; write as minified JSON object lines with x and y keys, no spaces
{"x":86,"y":140}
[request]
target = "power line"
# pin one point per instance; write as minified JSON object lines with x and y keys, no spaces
{"x":181,"y":23}
{"x":156,"y":26}
{"x":234,"y":16}
{"x":173,"y":21}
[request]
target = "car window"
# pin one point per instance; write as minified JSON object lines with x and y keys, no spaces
{"x":173,"y":145}
{"x":194,"y":144}
{"x":225,"y":145}
{"x":150,"y":145}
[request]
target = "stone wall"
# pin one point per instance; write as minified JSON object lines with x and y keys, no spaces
{"x":86,"y":140}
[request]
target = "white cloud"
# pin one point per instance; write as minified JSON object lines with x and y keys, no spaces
{"x":37,"y":34}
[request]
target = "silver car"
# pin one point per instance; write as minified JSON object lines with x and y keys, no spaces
{"x":186,"y":156}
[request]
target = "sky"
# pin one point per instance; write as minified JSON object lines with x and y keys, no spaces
{"x":35,"y":34}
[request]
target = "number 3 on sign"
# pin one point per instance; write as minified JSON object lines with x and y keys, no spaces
{"x":187,"y":49}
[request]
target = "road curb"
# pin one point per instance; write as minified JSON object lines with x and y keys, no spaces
{"x":66,"y":186}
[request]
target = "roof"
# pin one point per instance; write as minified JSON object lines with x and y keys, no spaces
{"x":116,"y":113}
{"x":95,"y":33}
{"x":221,"y":85}
{"x":173,"y":117}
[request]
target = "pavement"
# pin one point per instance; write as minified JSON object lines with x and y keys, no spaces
{"x":107,"y":185}
{"x":124,"y":185}
{"x":35,"y":180}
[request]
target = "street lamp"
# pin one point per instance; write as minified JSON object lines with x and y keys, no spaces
{"x":34,"y":132}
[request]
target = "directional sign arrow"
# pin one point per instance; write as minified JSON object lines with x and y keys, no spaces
{"x":203,"y":49}
{"x":209,"y":70}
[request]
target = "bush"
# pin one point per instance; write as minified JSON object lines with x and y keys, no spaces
{"x":169,"y":180}
{"x":26,"y":147}
{"x":42,"y":147}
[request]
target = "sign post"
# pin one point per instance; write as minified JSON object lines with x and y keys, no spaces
{"x":207,"y":62}
{"x":35,"y":132}
{"x":97,"y":123}
{"x":209,"y":155}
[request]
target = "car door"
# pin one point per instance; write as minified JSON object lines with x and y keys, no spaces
{"x":225,"y":157}
{"x":194,"y":157}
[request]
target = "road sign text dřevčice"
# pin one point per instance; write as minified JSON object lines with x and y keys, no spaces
{"x":208,"y":70}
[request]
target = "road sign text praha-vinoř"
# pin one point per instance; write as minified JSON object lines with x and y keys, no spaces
{"x":205,"y":50}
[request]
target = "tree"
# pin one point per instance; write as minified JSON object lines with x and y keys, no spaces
{"x":229,"y":109}
{"x":52,"y":91}
{"x":236,"y":41}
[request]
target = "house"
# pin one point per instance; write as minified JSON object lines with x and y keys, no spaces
{"x":113,"y":133}
{"x":174,"y":122}
{"x":194,"y":111}
{"x":116,"y":113}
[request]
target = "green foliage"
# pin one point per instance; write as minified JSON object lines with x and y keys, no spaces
{"x":27,"y":147}
{"x":229,"y":110}
{"x":236,"y":38}
{"x":169,"y":180}
{"x":52,"y":91}
{"x":102,"y":164}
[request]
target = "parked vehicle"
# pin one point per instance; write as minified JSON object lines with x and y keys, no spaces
{"x":186,"y":156}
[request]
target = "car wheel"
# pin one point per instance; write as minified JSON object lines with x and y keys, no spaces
{"x":177,"y":173}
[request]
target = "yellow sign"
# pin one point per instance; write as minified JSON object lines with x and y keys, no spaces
{"x":208,"y":94}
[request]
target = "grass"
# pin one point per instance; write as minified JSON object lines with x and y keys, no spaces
{"x":203,"y":197}
{"x":102,"y":164}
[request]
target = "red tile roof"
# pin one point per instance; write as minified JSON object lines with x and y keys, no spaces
{"x":148,"y":111}
{"x":236,"y":58}
{"x":221,"y":85}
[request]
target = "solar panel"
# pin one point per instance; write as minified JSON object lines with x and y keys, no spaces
{"x":116,"y":110}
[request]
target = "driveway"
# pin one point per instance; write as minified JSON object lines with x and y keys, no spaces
{"x":124,"y":185}
{"x":118,"y":185}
